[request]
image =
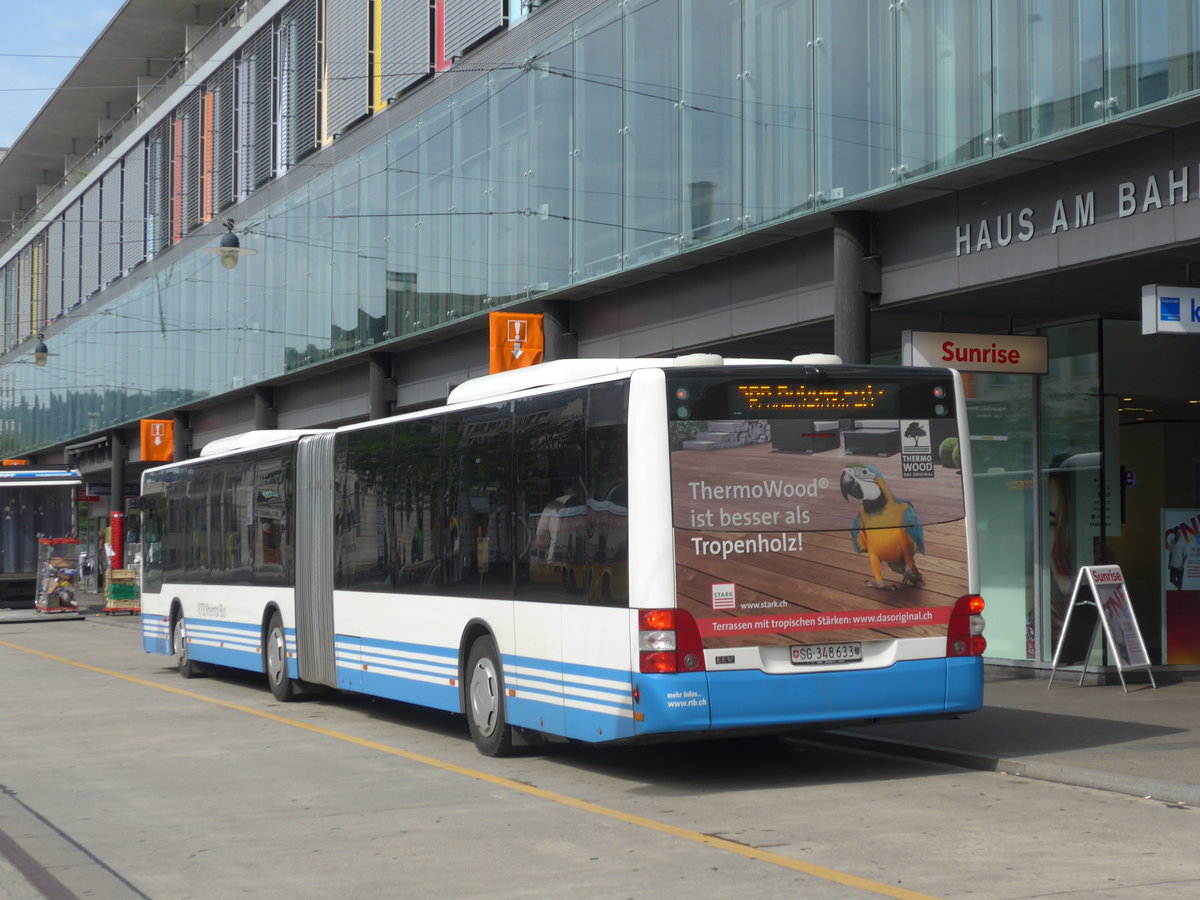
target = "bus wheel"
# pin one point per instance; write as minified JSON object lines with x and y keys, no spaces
{"x":188,"y":668}
{"x":275,"y":661}
{"x":485,"y":699}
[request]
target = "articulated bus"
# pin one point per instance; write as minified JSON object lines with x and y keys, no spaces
{"x":35,"y":502}
{"x":595,"y":550}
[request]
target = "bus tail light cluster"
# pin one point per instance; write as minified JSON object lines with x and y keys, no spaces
{"x":669,"y":641}
{"x":965,"y":636}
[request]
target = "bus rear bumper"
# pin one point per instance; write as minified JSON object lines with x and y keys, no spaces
{"x":744,"y":699}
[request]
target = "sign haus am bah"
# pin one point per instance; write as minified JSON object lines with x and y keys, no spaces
{"x":989,"y":232}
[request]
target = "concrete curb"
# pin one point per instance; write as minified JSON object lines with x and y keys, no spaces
{"x":26,"y":616}
{"x":1037,"y":769}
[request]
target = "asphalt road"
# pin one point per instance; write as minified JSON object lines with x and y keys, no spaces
{"x":122,"y":780}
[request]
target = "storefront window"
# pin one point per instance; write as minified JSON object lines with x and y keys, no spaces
{"x":1000,"y":415}
{"x":1070,"y":473}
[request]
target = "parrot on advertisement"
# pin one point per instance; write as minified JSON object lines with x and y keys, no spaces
{"x":886,"y":528}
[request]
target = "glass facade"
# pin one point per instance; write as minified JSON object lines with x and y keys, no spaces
{"x":641,"y":130}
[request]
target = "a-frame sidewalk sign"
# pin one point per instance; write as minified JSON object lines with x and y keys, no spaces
{"x":1100,"y":598}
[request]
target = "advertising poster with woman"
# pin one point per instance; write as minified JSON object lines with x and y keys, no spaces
{"x":1180,"y":555}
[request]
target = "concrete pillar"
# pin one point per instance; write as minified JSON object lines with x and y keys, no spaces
{"x":183,"y":436}
{"x":265,"y":416}
{"x":558,"y":326}
{"x":851,"y":299}
{"x":380,"y":386}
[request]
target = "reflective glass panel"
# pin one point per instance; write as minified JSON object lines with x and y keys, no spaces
{"x":403,"y":180}
{"x":712,"y":131}
{"x":943,"y":83}
{"x":778,"y":108}
{"x":1048,"y":68}
{"x":651,"y":132}
{"x":1152,"y":51}
{"x":552,"y":116}
{"x":510,"y":165}
{"x":468,"y":220}
{"x":597,"y":155}
{"x":855,"y":100}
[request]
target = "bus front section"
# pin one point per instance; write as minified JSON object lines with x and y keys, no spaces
{"x":824,"y":552}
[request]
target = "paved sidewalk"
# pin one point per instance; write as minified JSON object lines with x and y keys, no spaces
{"x":1145,"y":743}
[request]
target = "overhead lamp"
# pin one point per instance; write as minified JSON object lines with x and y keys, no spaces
{"x":230,"y":249}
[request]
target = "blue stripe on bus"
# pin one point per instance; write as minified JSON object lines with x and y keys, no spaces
{"x":569,"y":699}
{"x":156,"y":634}
{"x":224,"y":643}
{"x":413,"y":673}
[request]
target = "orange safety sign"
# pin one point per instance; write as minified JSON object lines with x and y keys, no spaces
{"x":517,"y":340}
{"x":158,"y":440}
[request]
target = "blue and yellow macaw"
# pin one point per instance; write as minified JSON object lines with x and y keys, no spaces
{"x":886,"y":528}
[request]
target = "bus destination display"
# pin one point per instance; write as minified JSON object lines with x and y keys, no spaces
{"x":767,"y":400}
{"x":763,"y":397}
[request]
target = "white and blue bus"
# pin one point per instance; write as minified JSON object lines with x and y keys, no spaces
{"x":35,"y":502}
{"x":595,"y":550}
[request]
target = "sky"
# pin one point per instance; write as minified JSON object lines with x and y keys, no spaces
{"x":40,"y":42}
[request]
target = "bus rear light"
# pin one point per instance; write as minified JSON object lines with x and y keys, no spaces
{"x":668,"y":641}
{"x":656,"y":640}
{"x":658,"y":662}
{"x":964,"y":637}
{"x":656,"y":619}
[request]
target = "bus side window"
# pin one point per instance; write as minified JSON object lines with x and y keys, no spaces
{"x":552,"y":497}
{"x":413,"y":497}
{"x":607,"y":474}
{"x":475,"y":534}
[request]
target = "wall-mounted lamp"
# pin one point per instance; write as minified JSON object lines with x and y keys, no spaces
{"x":41,"y":352}
{"x":230,"y":249}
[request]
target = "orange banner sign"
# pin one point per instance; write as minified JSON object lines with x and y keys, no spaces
{"x":517,"y":340}
{"x":158,"y":440}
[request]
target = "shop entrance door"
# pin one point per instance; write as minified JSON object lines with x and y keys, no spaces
{"x":1152,"y":411}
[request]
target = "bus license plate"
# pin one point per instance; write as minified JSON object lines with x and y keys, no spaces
{"x":815,"y":654}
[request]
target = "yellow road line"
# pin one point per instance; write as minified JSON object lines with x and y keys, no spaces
{"x":686,"y":834}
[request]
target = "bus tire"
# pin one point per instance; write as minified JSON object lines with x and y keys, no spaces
{"x":485,"y":699}
{"x":275,"y":660}
{"x":188,"y":667}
